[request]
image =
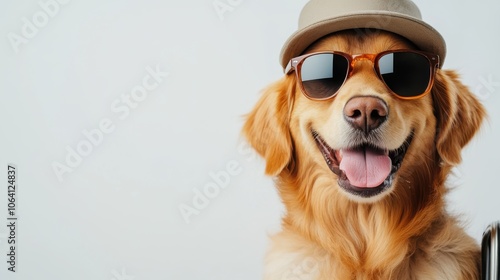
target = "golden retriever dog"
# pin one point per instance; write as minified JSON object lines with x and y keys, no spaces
{"x":362,"y":173}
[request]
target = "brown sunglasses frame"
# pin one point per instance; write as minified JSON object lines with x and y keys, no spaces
{"x":295,"y":64}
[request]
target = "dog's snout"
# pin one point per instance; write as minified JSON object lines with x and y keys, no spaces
{"x":365,"y":113}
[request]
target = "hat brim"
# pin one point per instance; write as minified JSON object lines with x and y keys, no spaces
{"x":424,"y":36}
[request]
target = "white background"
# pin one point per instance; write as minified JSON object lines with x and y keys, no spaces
{"x":116,"y":215}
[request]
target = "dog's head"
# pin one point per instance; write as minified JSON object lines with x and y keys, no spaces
{"x":365,"y":142}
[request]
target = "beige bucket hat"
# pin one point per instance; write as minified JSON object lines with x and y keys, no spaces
{"x":322,"y":17}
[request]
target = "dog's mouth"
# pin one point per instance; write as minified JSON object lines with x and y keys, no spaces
{"x":364,"y":170}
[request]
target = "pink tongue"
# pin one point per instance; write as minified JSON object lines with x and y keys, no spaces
{"x":365,"y":168}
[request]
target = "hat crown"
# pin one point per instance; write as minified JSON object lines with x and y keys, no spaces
{"x":322,"y":17}
{"x":319,"y":10}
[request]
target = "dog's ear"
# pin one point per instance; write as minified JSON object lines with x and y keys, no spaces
{"x":459,"y":115}
{"x":267,"y":125}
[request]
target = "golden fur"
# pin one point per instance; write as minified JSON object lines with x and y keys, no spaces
{"x":405,"y":233}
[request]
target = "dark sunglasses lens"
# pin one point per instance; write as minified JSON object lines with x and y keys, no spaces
{"x":322,"y":75}
{"x":407,"y":74}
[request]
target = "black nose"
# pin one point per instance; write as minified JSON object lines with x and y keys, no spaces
{"x":365,"y":113}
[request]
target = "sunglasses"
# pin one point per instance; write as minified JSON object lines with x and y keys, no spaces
{"x":408,"y":74}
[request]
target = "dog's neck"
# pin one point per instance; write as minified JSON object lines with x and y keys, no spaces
{"x":356,"y":232}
